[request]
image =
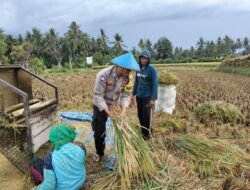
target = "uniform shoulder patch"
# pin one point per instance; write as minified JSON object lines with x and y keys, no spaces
{"x":102,"y":79}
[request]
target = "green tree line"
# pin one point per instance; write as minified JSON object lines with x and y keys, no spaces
{"x":49,"y":50}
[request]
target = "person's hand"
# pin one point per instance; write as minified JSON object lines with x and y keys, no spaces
{"x":123,"y":113}
{"x":110,"y":113}
{"x":152,"y":104}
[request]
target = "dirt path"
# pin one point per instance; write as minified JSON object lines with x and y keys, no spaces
{"x":10,"y":177}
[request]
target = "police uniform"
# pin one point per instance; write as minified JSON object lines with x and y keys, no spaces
{"x":109,"y":90}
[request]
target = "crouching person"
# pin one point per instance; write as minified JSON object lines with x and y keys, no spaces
{"x":64,"y":167}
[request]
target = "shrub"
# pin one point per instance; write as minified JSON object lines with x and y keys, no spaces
{"x":36,"y":65}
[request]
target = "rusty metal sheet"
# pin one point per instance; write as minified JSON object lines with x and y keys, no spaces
{"x":8,"y":98}
{"x":24,"y":82}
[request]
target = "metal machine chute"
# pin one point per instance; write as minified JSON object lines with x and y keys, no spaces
{"x":25,"y":119}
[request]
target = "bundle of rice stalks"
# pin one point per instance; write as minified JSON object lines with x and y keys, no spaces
{"x":166,"y":79}
{"x":134,"y":156}
{"x":208,"y":157}
{"x":171,"y":174}
{"x":219,"y":111}
{"x":173,"y":124}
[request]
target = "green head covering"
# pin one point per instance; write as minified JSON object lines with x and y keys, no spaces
{"x":61,"y":134}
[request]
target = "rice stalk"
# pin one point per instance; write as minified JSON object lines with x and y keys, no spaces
{"x":208,"y":157}
{"x":143,"y":165}
{"x":134,"y":154}
{"x":7,"y":124}
{"x":134,"y":157}
{"x":108,"y":182}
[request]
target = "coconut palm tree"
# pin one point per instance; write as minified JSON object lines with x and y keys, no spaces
{"x":118,"y":44}
{"x":53,"y":46}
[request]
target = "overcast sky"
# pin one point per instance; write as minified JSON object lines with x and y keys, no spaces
{"x":182,"y":21}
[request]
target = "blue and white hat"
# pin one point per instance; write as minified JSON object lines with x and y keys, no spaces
{"x":126,"y":61}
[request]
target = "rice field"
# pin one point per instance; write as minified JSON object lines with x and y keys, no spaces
{"x":189,"y":154}
{"x":193,"y":89}
{"x":198,"y":87}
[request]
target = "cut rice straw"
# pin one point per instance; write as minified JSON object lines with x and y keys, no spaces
{"x":209,"y":157}
{"x":134,"y":155}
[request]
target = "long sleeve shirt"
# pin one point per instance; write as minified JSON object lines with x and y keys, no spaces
{"x":110,"y":89}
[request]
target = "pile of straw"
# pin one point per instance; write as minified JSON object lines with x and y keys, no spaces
{"x":144,"y":164}
{"x":209,"y":157}
{"x":134,"y":157}
{"x":219,"y":111}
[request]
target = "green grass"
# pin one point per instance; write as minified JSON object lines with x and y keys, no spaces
{"x":236,"y":70}
{"x":206,"y":66}
{"x":49,"y":72}
{"x":199,"y":64}
{"x":178,"y":66}
{"x":203,"y":66}
{"x":238,"y":65}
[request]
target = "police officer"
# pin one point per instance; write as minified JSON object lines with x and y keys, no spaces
{"x":112,"y":87}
